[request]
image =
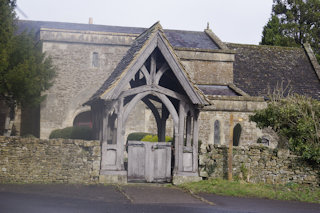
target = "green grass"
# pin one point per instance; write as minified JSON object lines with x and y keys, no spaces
{"x":289,"y":191}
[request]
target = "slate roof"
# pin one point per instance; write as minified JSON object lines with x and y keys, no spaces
{"x":259,"y":68}
{"x":217,"y":90}
{"x":177,"y":38}
{"x":192,"y":39}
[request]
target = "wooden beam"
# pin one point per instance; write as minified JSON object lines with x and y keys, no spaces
{"x":146,"y":74}
{"x":153,"y":67}
{"x":170,"y":107}
{"x":160,"y":72}
{"x":132,"y":69}
{"x":128,"y":108}
{"x":162,"y":97}
{"x":153,"y":88}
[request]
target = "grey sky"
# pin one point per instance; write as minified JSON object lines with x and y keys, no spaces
{"x":237,"y":21}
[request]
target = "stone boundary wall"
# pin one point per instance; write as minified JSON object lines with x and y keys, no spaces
{"x":258,"y":164}
{"x":32,"y":160}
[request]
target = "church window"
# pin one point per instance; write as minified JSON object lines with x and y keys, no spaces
{"x":217,"y":132}
{"x":236,"y":134}
{"x":95,"y":59}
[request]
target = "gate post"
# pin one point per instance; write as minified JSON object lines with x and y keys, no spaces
{"x":112,"y":167}
{"x":187,"y":155}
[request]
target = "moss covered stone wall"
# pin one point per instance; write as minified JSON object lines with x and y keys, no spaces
{"x":31,"y":160}
{"x":258,"y":164}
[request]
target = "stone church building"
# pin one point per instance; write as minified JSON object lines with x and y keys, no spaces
{"x":185,"y":84}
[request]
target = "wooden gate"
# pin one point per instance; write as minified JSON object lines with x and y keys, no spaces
{"x":149,"y":161}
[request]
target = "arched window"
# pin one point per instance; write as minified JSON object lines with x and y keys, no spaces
{"x":83,"y":119}
{"x":217,"y":132}
{"x":236,"y":134}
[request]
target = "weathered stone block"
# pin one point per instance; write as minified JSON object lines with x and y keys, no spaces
{"x":177,"y":179}
{"x":107,"y":179}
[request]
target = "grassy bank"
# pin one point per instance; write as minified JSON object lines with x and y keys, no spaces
{"x":242,"y":189}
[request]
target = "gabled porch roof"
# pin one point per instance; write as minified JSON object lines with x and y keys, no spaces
{"x":141,"y":49}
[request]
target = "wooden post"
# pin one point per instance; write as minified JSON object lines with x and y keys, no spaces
{"x":120,"y":136}
{"x":164,"y":117}
{"x":195,"y":141}
{"x":230,"y":155}
{"x":188,"y":131}
{"x":105,"y":127}
{"x":176,"y":148}
{"x":182,"y":116}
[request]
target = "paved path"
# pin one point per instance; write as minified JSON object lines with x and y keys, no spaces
{"x":130,"y":198}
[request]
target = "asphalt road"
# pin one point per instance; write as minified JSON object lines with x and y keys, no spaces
{"x":130,"y":198}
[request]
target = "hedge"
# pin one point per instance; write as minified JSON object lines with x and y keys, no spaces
{"x":74,"y":132}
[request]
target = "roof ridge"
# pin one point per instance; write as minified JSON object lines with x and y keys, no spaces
{"x":60,"y":22}
{"x":262,"y":46}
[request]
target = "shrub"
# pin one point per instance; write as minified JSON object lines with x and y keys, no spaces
{"x":297,"y":119}
{"x":75,"y":132}
{"x":154,"y":138}
{"x":137,"y":136}
{"x":143,"y":136}
{"x":150,"y":138}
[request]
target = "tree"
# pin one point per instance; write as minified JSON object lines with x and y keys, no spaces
{"x":292,"y":23}
{"x":24,"y":70}
{"x":297,"y":119}
{"x":7,"y":18}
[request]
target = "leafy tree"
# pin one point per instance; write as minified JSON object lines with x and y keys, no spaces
{"x":296,"y":118}
{"x":24,"y":70}
{"x":292,"y":23}
{"x":7,"y":19}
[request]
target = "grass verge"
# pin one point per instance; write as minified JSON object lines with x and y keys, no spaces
{"x":290,"y":191}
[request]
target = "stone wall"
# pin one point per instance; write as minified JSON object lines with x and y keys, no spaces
{"x":220,"y":110}
{"x":77,"y":78}
{"x":257,"y":164}
{"x":31,"y":160}
{"x":208,"y":67}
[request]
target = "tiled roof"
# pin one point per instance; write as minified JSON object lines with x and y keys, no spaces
{"x":177,"y":38}
{"x":259,"y":68}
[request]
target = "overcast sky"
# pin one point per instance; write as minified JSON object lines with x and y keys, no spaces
{"x":237,"y":21}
